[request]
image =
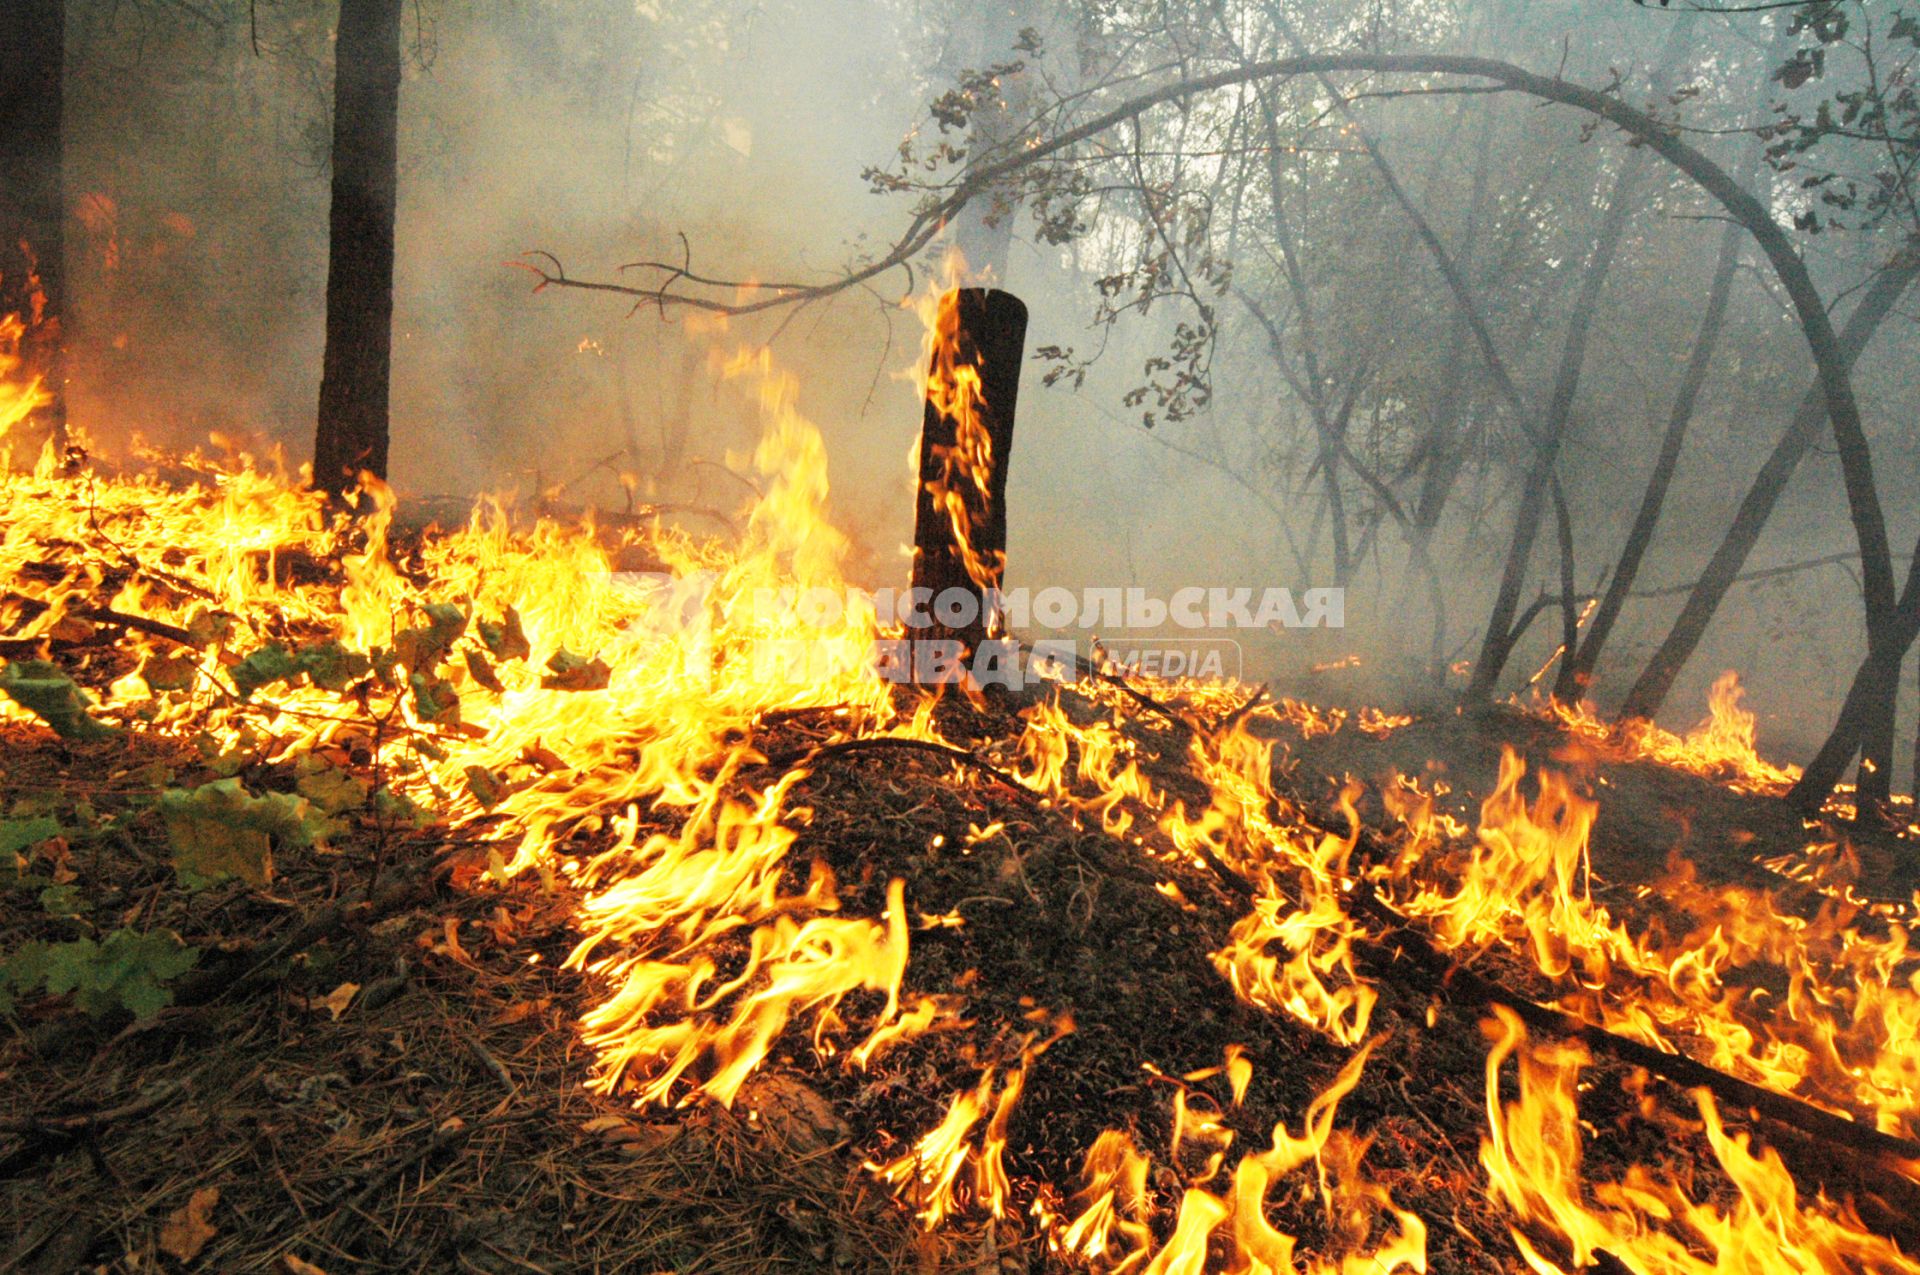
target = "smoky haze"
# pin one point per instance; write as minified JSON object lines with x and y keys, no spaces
{"x":602,"y":132}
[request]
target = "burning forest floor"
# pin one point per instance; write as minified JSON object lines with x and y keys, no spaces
{"x":434,"y":900}
{"x":400,"y":1085}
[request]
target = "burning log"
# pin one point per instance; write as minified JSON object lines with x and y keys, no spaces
{"x":1400,"y":949}
{"x":966,"y":437}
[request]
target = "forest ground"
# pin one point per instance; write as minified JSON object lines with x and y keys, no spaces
{"x":344,"y":1086}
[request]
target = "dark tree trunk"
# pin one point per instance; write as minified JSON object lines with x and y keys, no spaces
{"x":1580,"y":670}
{"x":1865,"y":724}
{"x":990,"y":329}
{"x":32,"y":203}
{"x":357,"y":369}
{"x":1657,"y":679}
{"x":1498,"y":643}
{"x":1569,"y":607}
{"x":1875,"y":778}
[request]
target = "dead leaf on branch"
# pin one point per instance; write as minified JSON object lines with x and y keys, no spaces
{"x":570,"y":672}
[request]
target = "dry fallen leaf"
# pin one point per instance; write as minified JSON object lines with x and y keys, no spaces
{"x":520,"y":1010}
{"x":297,"y":1267}
{"x":500,"y":928}
{"x":607,"y":1124}
{"x":59,"y":856}
{"x":336,"y":1001}
{"x":187,"y":1230}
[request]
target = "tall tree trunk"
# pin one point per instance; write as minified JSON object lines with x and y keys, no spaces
{"x":1582,"y":663}
{"x":1656,"y":680}
{"x":1867,"y":709}
{"x":32,"y":203}
{"x":357,"y":369}
{"x":1500,"y":636}
{"x":1569,"y":609}
{"x":1875,"y":777}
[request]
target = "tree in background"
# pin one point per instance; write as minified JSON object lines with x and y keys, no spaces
{"x":32,"y":213}
{"x":357,"y":368}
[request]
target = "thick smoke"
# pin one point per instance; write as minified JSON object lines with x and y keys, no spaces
{"x":601,"y":131}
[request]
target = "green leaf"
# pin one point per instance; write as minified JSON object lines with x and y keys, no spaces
{"x":434,"y":699}
{"x":17,"y":835}
{"x":247,"y":749}
{"x":329,"y":787}
{"x":60,"y":899}
{"x":397,"y":806}
{"x":422,"y":649}
{"x":328,"y":665}
{"x":485,"y":787}
{"x":21,"y":972}
{"x":505,"y":639}
{"x":332,"y":667}
{"x":264,"y":667}
{"x":220,"y":829}
{"x":127,"y":970}
{"x":43,"y":690}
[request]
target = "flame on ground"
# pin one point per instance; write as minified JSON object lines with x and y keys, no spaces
{"x":1720,"y":748}
{"x":1108,"y":1226}
{"x":1650,"y":1221}
{"x":585,"y":725}
{"x":19,"y":397}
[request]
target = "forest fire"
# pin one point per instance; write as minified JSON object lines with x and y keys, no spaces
{"x":533,"y":827}
{"x":20,"y":395}
{"x":500,"y":678}
{"x":1720,"y":747}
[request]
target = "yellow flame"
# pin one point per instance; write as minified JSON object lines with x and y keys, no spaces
{"x":1720,"y":747}
{"x":1649,"y":1220}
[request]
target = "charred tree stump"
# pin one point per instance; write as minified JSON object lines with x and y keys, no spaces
{"x":966,"y":437}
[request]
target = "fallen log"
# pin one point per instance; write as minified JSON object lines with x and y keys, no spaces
{"x":1465,"y":989}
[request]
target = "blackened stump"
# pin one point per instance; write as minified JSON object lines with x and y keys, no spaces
{"x":990,"y":337}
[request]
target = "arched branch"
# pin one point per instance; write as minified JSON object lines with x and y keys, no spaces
{"x":1644,"y":129}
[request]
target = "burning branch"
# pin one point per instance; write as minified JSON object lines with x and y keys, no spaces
{"x":1400,"y":948}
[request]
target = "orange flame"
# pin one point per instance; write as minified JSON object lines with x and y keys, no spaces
{"x":1650,"y":1221}
{"x":954,"y":389}
{"x":1720,"y":747}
